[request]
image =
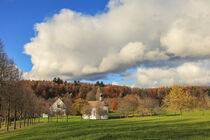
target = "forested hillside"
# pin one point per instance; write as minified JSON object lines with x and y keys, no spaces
{"x":52,"y":89}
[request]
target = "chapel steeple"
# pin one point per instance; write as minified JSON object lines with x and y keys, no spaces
{"x":101,"y":95}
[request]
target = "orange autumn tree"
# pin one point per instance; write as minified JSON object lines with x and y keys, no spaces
{"x":114,"y":105}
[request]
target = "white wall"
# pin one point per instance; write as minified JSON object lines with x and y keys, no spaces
{"x":55,"y":108}
{"x":95,"y":116}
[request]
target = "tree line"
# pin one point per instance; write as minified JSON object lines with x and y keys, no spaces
{"x":140,"y":101}
{"x":51,"y":89}
{"x":176,"y":101}
{"x":17,"y":100}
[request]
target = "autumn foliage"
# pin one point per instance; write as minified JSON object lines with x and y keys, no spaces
{"x":50,"y":89}
{"x":114,"y":105}
{"x":178,"y":100}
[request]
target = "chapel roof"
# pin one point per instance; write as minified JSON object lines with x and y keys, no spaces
{"x":96,"y":103}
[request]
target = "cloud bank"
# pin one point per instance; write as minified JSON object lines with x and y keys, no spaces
{"x":72,"y":45}
{"x":190,"y":73}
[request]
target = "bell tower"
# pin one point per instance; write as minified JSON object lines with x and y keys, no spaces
{"x":101,"y":95}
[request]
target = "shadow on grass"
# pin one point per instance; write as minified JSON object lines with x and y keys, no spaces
{"x":140,"y":130}
{"x":172,"y":115}
{"x":131,"y":128}
{"x":116,"y":116}
{"x":119,"y":126}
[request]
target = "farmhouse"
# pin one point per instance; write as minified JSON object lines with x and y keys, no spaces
{"x":99,"y":109}
{"x":58,"y":107}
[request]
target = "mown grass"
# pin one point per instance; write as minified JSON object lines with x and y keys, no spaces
{"x":191,"y":126}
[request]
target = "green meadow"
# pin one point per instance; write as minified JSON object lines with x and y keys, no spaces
{"x":192,"y":125}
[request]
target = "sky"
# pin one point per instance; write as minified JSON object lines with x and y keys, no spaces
{"x":127,"y":42}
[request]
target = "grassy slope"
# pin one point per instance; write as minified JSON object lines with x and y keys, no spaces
{"x":191,"y":126}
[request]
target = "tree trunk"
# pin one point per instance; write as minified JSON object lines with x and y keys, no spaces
{"x":24,"y":119}
{"x":5,"y":123}
{"x":27,"y":120}
{"x":8,"y":118}
{"x":20,"y":122}
{"x":10,"y":122}
{"x":21,"y":118}
{"x":32,"y":122}
{"x":67,"y":117}
{"x":180,"y":113}
{"x":0,"y":122}
{"x":0,"y":111}
{"x":35,"y":120}
{"x":15,"y":117}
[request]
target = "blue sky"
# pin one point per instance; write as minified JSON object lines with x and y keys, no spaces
{"x":130,"y":42}
{"x":19,"y":16}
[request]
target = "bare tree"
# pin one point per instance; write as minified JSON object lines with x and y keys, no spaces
{"x":133,"y":101}
{"x":9,"y":76}
{"x":68,"y":105}
{"x":148,"y":106}
{"x":100,"y":111}
{"x":124,"y":107}
{"x":91,"y":95}
{"x":204,"y":102}
{"x":86,"y":110}
{"x":17,"y":100}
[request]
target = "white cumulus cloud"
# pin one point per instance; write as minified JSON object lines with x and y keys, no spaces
{"x":72,"y":45}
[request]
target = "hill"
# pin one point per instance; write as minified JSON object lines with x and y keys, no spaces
{"x":51,"y":89}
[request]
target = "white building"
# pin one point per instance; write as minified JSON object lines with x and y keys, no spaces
{"x":44,"y":115}
{"x":96,"y":105}
{"x":58,"y":107}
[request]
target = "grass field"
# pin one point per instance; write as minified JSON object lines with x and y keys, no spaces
{"x":191,"y":126}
